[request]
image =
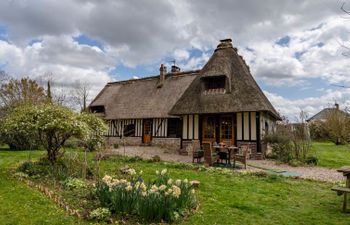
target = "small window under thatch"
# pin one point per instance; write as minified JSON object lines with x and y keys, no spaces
{"x":214,"y":85}
{"x":129,"y":130}
{"x":97,"y":109}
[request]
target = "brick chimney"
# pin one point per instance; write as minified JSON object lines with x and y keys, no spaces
{"x":175,"y":69}
{"x":336,"y":105}
{"x":162,"y":72}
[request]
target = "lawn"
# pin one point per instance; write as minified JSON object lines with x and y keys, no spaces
{"x":331,"y":155}
{"x":224,"y":198}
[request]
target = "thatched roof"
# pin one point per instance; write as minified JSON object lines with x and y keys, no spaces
{"x":143,"y":98}
{"x":242,"y":94}
{"x":182,"y":92}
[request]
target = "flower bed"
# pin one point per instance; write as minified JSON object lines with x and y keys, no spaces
{"x":162,"y":199}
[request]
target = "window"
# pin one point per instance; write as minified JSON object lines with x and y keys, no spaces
{"x":226,"y":128}
{"x":174,"y":127}
{"x":129,"y":130}
{"x":97,"y":109}
{"x":214,"y":85}
{"x":209,"y":128}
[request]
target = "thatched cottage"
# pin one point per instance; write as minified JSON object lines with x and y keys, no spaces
{"x":220,"y":102}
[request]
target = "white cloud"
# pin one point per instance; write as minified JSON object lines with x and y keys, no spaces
{"x":143,"y":32}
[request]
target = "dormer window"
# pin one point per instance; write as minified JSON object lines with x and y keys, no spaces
{"x":97,"y":109}
{"x":214,"y":85}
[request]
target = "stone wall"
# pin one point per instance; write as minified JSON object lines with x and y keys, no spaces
{"x":172,"y":144}
{"x":132,"y":141}
{"x":253,"y":147}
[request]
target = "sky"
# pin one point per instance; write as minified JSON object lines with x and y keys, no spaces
{"x":295,"y":49}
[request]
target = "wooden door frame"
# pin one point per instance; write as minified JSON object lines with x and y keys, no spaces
{"x":143,"y":129}
{"x":204,"y":118}
{"x":232,"y":128}
{"x":217,"y":135}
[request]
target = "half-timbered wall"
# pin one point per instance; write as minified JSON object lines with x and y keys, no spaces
{"x":116,"y":127}
{"x":267,"y":125}
{"x":190,"y":127}
{"x":246,"y":126}
{"x":160,"y":127}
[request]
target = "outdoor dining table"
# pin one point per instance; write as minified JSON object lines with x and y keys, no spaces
{"x":229,"y":149}
{"x":346,"y":172}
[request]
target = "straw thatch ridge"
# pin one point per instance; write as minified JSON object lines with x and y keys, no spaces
{"x":242,"y":94}
{"x":143,"y":98}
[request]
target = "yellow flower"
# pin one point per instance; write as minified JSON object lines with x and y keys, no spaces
{"x":185,"y":181}
{"x":176,"y":191}
{"x":144,"y":193}
{"x":157,"y":172}
{"x":163,"y":172}
{"x":154,"y":188}
{"x":192,"y":191}
{"x":162,"y":187}
{"x":178,"y":182}
{"x":143,"y":187}
{"x":137,"y":185}
{"x":141,"y":172}
{"x":106,"y":179}
{"x":128,"y":188}
{"x":170,"y":181}
{"x":131,"y":171}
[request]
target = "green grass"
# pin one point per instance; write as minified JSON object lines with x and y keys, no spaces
{"x":224,"y":198}
{"x":331,"y":155}
{"x":20,"y":204}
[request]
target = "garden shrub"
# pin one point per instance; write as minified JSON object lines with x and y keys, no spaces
{"x":134,"y":159}
{"x":65,"y":167}
{"x":156,"y":158}
{"x":100,"y":214}
{"x":74,"y":183}
{"x":290,"y":144}
{"x":312,"y":160}
{"x":161,"y":200}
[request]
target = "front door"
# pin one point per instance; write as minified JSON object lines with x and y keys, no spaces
{"x":218,"y":128}
{"x":226,"y":130}
{"x":209,"y":129}
{"x":147,"y":131}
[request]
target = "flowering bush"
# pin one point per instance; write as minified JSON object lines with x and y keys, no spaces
{"x":161,"y":200}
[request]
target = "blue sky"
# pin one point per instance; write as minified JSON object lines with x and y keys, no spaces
{"x":294,"y":50}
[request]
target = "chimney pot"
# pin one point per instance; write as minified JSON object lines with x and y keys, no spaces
{"x":175,"y":69}
{"x":162,"y":72}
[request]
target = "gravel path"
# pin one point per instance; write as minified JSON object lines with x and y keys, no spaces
{"x":313,"y":173}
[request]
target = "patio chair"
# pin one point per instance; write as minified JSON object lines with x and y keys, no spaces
{"x":198,"y":154}
{"x":242,"y":156}
{"x":209,"y":155}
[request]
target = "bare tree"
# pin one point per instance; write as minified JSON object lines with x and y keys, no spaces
{"x":4,"y":77}
{"x":55,"y":91}
{"x":80,"y":94}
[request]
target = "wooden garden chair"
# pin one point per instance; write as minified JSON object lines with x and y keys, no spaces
{"x":242,"y":156}
{"x":210,"y":156}
{"x":198,"y":154}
